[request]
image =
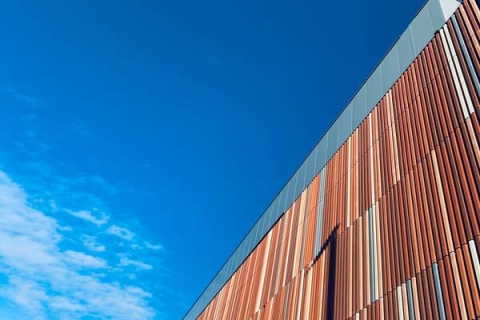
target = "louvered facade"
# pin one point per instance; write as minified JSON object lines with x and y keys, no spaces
{"x":382,"y":220}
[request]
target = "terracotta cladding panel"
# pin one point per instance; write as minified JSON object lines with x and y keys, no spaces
{"x":401,"y":207}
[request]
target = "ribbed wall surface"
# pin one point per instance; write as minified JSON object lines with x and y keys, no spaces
{"x":390,"y":227}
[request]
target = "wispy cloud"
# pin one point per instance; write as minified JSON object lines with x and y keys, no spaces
{"x":91,"y":244}
{"x":84,"y":260}
{"x":64,"y":252}
{"x":120,"y":232}
{"x":22,"y":97}
{"x":50,"y":278}
{"x":150,"y":246}
{"x":125,"y":262}
{"x":89,"y":217}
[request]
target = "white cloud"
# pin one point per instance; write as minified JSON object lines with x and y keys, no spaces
{"x":88,"y":216}
{"x":64,"y":228}
{"x":153,"y":246}
{"x":47,"y":280}
{"x":125,"y":262}
{"x":27,"y":294}
{"x":53,"y":205}
{"x":120,"y":232}
{"x":91,"y":244}
{"x":83,"y":260}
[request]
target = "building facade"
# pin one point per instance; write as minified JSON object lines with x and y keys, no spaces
{"x":382,"y":220}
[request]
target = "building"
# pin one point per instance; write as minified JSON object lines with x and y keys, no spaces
{"x":382,"y":219}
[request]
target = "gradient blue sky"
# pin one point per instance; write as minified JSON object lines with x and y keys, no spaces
{"x":141,"y":140}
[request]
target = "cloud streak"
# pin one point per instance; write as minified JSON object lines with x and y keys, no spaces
{"x":28,"y":100}
{"x":89,"y":217}
{"x":125,"y":262}
{"x":120,"y":232}
{"x":49,"y":277}
{"x":155,"y":247}
{"x":91,"y":244}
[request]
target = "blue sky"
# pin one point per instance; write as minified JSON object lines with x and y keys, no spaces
{"x":141,"y":140}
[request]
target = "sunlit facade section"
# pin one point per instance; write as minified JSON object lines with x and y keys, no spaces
{"x":389,"y":227}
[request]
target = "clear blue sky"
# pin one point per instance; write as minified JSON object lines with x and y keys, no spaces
{"x":141,"y":140}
